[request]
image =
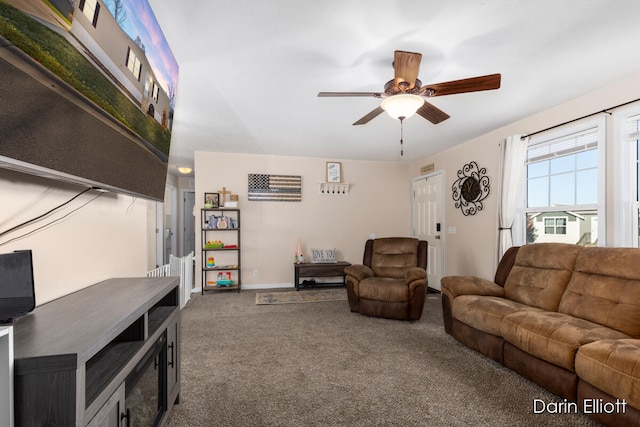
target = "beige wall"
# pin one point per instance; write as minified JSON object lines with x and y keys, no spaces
{"x":473,"y":249}
{"x":469,"y":251}
{"x":113,"y":236}
{"x":380,"y":203}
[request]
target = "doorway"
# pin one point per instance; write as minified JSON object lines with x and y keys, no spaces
{"x":188,"y":223}
{"x":170,"y":223}
{"x":428,"y":222}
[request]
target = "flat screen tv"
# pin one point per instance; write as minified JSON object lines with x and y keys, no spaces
{"x":87,"y":94}
{"x":17,"y":294}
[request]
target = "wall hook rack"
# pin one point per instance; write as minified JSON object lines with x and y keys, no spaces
{"x":333,"y":188}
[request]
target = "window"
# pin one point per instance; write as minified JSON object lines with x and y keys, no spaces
{"x":564,"y":185}
{"x":633,"y":142}
{"x":626,"y":177}
{"x":555,"y":225}
{"x":91,"y":9}
{"x":133,"y":64}
{"x":147,"y":85}
{"x":156,"y":92}
{"x":634,"y":138}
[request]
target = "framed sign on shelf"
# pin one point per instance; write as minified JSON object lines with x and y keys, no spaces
{"x":334,"y":172}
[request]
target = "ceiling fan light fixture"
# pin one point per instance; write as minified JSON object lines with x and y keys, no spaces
{"x":402,"y":105}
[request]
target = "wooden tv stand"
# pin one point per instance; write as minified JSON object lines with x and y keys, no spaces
{"x":73,"y":355}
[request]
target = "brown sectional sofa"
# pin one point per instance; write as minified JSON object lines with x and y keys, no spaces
{"x":563,"y":316}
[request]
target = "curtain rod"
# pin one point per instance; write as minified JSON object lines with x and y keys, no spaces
{"x":606,"y":110}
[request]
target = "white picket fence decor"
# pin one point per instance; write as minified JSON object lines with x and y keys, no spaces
{"x":181,"y":267}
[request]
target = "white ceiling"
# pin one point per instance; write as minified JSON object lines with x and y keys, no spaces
{"x":250,"y":70}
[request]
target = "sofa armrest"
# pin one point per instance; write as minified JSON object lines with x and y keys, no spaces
{"x":358,"y":272}
{"x":414,"y":278}
{"x":453,"y":286}
{"x":414,"y":274}
{"x":505,"y":265}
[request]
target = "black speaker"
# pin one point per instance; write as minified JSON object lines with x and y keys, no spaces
{"x":17,"y":292}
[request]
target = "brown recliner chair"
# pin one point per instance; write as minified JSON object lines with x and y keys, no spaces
{"x":392,"y":282}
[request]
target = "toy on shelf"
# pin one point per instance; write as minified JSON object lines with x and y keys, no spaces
{"x":213,"y":244}
{"x":211,"y":262}
{"x":224,"y":281}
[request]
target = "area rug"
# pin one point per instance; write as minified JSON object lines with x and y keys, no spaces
{"x":294,"y":297}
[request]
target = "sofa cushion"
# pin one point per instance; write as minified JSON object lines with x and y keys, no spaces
{"x":612,"y":366}
{"x":391,"y":256}
{"x":384,"y":289}
{"x":554,"y":337}
{"x":540,"y":274}
{"x":605,"y":288}
{"x":485,"y":313}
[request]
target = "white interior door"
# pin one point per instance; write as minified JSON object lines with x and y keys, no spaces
{"x":428,"y":222}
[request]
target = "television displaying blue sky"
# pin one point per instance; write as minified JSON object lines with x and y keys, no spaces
{"x":141,"y":22}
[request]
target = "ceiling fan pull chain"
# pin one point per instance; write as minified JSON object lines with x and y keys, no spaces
{"x":401,"y":136}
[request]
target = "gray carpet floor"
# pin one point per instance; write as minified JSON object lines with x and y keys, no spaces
{"x":318,"y":364}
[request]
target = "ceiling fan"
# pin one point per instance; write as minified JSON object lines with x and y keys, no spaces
{"x":404,"y":95}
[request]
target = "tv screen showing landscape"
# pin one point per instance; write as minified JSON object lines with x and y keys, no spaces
{"x":87,"y":93}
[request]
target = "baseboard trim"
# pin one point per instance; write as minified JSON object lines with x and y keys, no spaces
{"x":256,"y":286}
{"x":259,"y":286}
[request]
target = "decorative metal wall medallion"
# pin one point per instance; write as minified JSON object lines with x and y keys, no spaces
{"x":470,"y":189}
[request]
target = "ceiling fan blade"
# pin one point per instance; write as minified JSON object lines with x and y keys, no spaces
{"x":432,"y":113}
{"x":406,"y":66}
{"x":346,"y":94}
{"x":474,"y":84}
{"x":371,"y":115}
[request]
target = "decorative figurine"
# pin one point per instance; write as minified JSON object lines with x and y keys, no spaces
{"x":299,"y":257}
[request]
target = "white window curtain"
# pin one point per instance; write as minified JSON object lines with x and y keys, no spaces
{"x":513,"y":152}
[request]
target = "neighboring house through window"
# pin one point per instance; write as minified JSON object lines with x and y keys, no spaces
{"x":564,"y":185}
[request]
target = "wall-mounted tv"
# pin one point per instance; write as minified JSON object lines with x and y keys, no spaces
{"x":87,"y":94}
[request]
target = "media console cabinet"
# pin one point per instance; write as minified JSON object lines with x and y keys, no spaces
{"x":107,"y":355}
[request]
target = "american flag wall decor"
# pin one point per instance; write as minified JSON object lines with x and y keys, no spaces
{"x":275,"y":188}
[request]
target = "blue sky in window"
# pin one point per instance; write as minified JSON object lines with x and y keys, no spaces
{"x":141,"y":22}
{"x":564,"y":181}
